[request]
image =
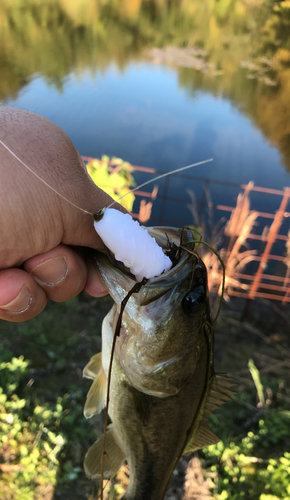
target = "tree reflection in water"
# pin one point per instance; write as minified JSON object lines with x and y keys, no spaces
{"x":246,"y":47}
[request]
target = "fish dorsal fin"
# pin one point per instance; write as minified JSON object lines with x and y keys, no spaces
{"x":219,"y":392}
{"x":204,"y":437}
{"x":96,"y":397}
{"x":93,"y":367}
{"x":113,"y":460}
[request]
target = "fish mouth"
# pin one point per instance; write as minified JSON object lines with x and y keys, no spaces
{"x":176,"y":243}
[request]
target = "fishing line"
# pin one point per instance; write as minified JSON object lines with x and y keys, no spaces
{"x":42,"y":180}
{"x":115,"y":201}
{"x":161,"y":177}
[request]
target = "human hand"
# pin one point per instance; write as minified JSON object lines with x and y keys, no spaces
{"x":41,"y":233}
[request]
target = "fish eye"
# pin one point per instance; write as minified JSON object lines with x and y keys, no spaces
{"x":193,"y":300}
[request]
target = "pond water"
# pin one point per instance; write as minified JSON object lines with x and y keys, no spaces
{"x":160,"y":84}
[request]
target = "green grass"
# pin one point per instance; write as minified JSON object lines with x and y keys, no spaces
{"x":44,"y":434}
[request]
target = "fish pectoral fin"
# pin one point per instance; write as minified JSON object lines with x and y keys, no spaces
{"x":93,"y":367}
{"x":204,"y":437}
{"x":220,"y":391}
{"x":113,"y":458}
{"x":96,"y":397}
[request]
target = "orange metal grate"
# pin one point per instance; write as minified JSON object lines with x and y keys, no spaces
{"x":270,"y":285}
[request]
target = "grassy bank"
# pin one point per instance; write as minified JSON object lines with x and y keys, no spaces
{"x":45,"y":436}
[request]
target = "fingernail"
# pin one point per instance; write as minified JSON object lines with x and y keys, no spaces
{"x":21,"y":303}
{"x":95,"y":285}
{"x":51,"y":272}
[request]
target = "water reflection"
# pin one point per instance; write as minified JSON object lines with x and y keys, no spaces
{"x":243,"y":49}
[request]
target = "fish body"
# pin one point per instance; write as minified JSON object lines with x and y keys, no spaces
{"x":162,"y":385}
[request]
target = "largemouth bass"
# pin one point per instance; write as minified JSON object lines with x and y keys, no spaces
{"x":163,"y":385}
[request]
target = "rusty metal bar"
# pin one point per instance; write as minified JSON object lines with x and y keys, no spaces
{"x":260,"y":214}
{"x":275,"y":226}
{"x":270,"y":256}
{"x":267,"y":286}
{"x":145,"y":194}
{"x":262,"y":238}
{"x":265,"y":190}
{"x":286,"y":297}
{"x":135,"y":167}
{"x":264,"y":276}
{"x":260,"y":295}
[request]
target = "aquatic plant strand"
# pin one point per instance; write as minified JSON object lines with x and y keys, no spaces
{"x":136,"y":288}
{"x":221,"y":262}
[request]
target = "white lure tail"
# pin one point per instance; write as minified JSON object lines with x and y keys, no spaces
{"x":132,"y":244}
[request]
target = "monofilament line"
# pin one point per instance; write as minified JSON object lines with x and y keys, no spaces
{"x":113,"y":203}
{"x":160,"y":177}
{"x":42,"y":180}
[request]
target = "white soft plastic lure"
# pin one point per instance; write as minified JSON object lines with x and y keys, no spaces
{"x":125,"y":238}
{"x":132,"y":244}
